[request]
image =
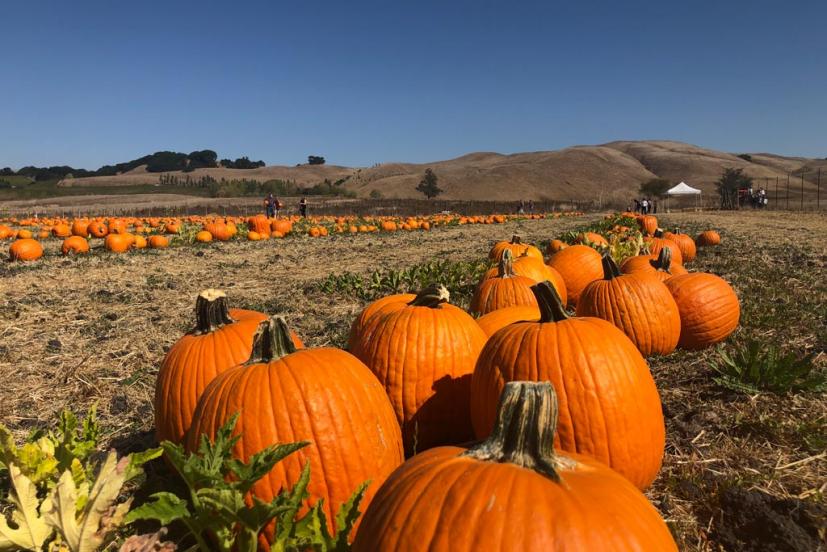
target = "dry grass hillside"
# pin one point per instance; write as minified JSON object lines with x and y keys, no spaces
{"x":610,"y":172}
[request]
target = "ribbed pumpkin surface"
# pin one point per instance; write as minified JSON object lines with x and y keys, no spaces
{"x":709,"y":308}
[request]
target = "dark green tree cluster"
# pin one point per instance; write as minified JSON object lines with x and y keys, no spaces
{"x":728,"y":185}
{"x":315,"y":160}
{"x":655,"y":187}
{"x":428,"y":185}
{"x":241,"y":163}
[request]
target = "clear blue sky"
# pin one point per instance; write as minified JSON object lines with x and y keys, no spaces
{"x":86,"y":83}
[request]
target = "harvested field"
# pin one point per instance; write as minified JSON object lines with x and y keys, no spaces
{"x":741,"y":472}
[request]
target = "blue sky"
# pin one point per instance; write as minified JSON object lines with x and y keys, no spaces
{"x":86,"y":83}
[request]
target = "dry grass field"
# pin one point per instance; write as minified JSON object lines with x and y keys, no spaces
{"x":742,"y":471}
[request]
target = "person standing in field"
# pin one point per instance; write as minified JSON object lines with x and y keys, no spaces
{"x":277,"y":206}
{"x":270,"y":205}
{"x":303,"y":207}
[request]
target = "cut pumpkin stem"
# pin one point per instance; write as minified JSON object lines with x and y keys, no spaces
{"x":551,"y":306}
{"x":212,"y":311}
{"x":506,"y":268}
{"x":432,"y":296}
{"x":271,"y":341}
{"x":610,"y":268}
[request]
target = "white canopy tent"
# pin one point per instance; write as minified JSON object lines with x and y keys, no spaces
{"x":682,"y":190}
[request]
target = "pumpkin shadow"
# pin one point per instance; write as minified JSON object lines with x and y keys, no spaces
{"x":443,"y":419}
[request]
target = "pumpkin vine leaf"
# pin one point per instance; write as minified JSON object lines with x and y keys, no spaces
{"x":219,"y":512}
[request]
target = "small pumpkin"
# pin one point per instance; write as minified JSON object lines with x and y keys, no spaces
{"x":685,"y":243}
{"x":535,"y":269}
{"x":708,"y":306}
{"x":707,"y":238}
{"x":648,"y":224}
{"x":25,"y":249}
{"x":517,"y":248}
{"x":579,"y":265}
{"x":118,"y":243}
{"x":203,"y":237}
{"x":610,"y":407}
{"x":98,"y":229}
{"x":507,"y":289}
{"x":638,"y":304}
{"x":428,"y":379}
{"x":158,"y":242}
{"x":657,"y":242}
{"x":513,"y":491}
{"x":593,"y":238}
{"x":556,"y":245}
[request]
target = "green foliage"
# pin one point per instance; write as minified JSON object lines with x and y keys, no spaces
{"x":428,"y":185}
{"x":375,"y":194}
{"x":752,"y":367}
{"x":459,"y":277}
{"x":728,"y":185}
{"x":655,"y":187}
{"x":216,"y":514}
{"x":315,"y":160}
{"x":745,"y":156}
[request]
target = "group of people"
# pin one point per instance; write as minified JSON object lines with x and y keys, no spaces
{"x":758,"y":199}
{"x":273,"y":206}
{"x":525,"y":207}
{"x":646,"y":206}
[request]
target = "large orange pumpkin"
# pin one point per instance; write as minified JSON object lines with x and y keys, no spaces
{"x":709,"y":308}
{"x":158,"y":242}
{"x":61,"y":230}
{"x":500,"y":318}
{"x":74,"y":244}
{"x":80,"y":228}
{"x":535,"y":269}
{"x":639,"y":304}
{"x":219,"y":231}
{"x":222,"y":338}
{"x":648,"y":224}
{"x":610,"y":408}
{"x":98,"y":229}
{"x":685,"y":243}
{"x":373,"y":308}
{"x":423,"y":352}
{"x":579,"y":265}
{"x":118,"y":243}
{"x":657,"y":242}
{"x":507,"y":289}
{"x":325,"y":396}
{"x":659,"y":265}
{"x":25,"y":249}
{"x":512,"y":491}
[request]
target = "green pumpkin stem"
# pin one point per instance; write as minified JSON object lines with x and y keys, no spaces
{"x":664,"y":260}
{"x":271,"y":341}
{"x":212,"y":311}
{"x":506,"y":268}
{"x":523,"y":433}
{"x":551,"y":306}
{"x":610,"y":268}
{"x":432,"y":296}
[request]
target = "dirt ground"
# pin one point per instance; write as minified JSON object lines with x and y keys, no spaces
{"x":741,"y":472}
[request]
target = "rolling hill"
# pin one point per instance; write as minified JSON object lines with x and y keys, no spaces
{"x":609,"y":172}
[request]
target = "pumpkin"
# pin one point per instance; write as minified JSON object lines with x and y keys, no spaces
{"x":258,"y":224}
{"x":219,"y":231}
{"x":373,"y":308}
{"x":517,"y":248}
{"x":507,"y":289}
{"x":659,"y":265}
{"x":535,"y":269}
{"x":281,"y":225}
{"x":74,"y":244}
{"x":24,"y":234}
{"x":428,"y":378}
{"x":591,"y":238}
{"x":685,"y":243}
{"x":648,"y":224}
{"x":158,"y":242}
{"x":117,"y":226}
{"x":513,"y":491}
{"x":61,"y":231}
{"x":324,"y":396}
{"x":500,"y":318}
{"x":98,"y":229}
{"x":579,"y":265}
{"x":172,"y":228}
{"x":657,"y":242}
{"x":252,"y":235}
{"x":708,"y":307}
{"x":203,"y":237}
{"x":118,"y":243}
{"x":222,"y":338}
{"x":610,"y":408}
{"x":25,"y":249}
{"x":707,"y":238}
{"x":556,"y":245}
{"x":639,"y":304}
{"x":138,"y":242}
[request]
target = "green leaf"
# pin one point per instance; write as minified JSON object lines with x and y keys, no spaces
{"x":164,"y":508}
{"x":32,"y":531}
{"x":348,"y":515}
{"x":138,"y":459}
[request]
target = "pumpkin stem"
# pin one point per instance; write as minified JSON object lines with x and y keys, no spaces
{"x":664,"y":260}
{"x":658,"y":233}
{"x":516,"y":239}
{"x":551,"y":306}
{"x":432,"y":296}
{"x":524,"y":431}
{"x":610,"y":268}
{"x":212,"y":311}
{"x":271,"y":341}
{"x":506,"y":269}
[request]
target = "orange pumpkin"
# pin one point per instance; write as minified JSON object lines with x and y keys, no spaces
{"x":685,"y":243}
{"x":610,"y":408}
{"x":325,"y":396}
{"x":61,"y":231}
{"x":517,"y":248}
{"x":203,"y":237}
{"x":25,"y":249}
{"x":74,"y":244}
{"x":657,"y":242}
{"x":659,"y":265}
{"x":98,"y":229}
{"x":118,"y":243}
{"x":500,"y":318}
{"x":707,"y":238}
{"x":639,"y":304}
{"x":556,"y":245}
{"x":708,"y":306}
{"x":648,"y":224}
{"x":535,"y":269}
{"x":507,"y":289}
{"x":512,"y":491}
{"x":427,"y":380}
{"x":579,"y":265}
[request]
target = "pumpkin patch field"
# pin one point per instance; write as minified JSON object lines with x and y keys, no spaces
{"x":448,"y":382}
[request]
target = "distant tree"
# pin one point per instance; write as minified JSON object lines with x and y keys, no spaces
{"x":375,"y":194}
{"x":203,"y":159}
{"x":6,"y":171}
{"x":655,"y":187}
{"x":728,"y":185}
{"x":428,"y":185}
{"x":745,"y":157}
{"x":315,"y":160}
